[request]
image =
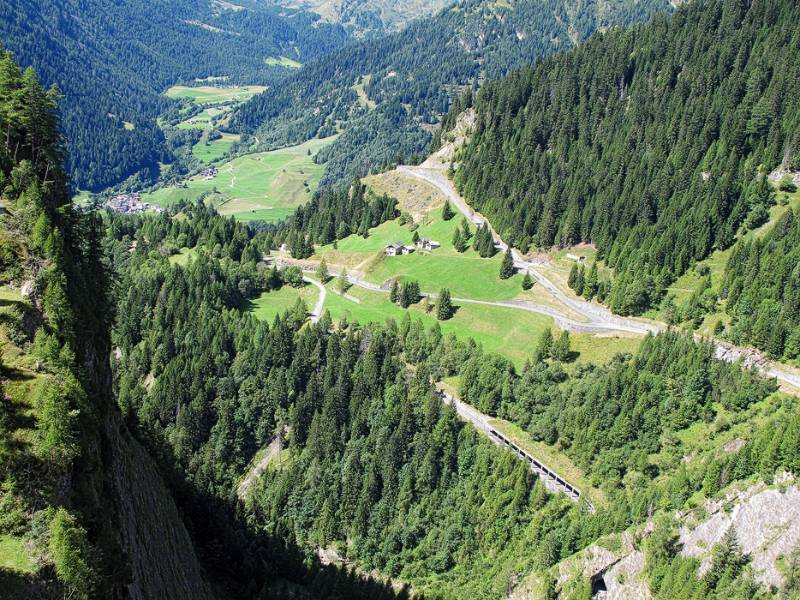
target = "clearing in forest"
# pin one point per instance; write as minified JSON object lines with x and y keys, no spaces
{"x":265,"y":186}
{"x":209,"y":94}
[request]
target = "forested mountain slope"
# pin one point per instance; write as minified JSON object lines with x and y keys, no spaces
{"x":112,"y":60}
{"x":369,"y":17}
{"x":85,"y":511}
{"x":80,"y":503}
{"x":652,"y":143}
{"x":376,"y":468}
{"x":384,"y":91}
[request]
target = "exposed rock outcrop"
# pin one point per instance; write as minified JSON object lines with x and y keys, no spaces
{"x":766,"y":522}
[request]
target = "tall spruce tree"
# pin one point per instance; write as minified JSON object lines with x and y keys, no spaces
{"x":444,"y":305}
{"x":507,"y":266}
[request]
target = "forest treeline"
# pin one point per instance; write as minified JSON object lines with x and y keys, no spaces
{"x":406,"y":86}
{"x":649,"y":141}
{"x":51,"y":396}
{"x":112,"y":61}
{"x":332,"y":215}
{"x":371,"y":455}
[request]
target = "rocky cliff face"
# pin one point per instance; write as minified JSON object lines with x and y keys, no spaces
{"x":765,"y":519}
{"x":159,"y":550}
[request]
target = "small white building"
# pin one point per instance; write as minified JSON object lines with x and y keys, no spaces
{"x":426,"y":244}
{"x":398,"y":248}
{"x":578,"y":258}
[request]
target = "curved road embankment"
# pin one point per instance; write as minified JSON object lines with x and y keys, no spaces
{"x":599,"y":317}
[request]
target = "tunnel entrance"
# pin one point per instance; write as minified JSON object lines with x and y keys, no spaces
{"x":598,"y":584}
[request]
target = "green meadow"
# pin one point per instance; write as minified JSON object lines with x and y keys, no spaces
{"x":283,"y":61}
{"x":266,"y":185}
{"x":218,"y":101}
{"x":209,"y":94}
{"x":466,"y":275}
{"x":507,"y":331}
{"x":270,"y":304}
{"x":212,"y":151}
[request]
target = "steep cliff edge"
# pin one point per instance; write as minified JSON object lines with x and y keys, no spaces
{"x":84,"y":512}
{"x":159,"y":550}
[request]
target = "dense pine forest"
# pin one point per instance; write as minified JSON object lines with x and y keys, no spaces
{"x":762,"y":290}
{"x":78,"y":493}
{"x":407,"y":80}
{"x":161,"y":438}
{"x":373,"y":456}
{"x":648,"y":142}
{"x":112,"y":61}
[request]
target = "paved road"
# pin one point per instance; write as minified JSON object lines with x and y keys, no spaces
{"x":598,"y":316}
{"x":316,"y":312}
{"x":551,"y":480}
{"x":562,"y":321}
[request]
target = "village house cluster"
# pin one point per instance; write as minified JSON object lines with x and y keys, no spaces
{"x":398,"y":248}
{"x":130,"y":204}
{"x":208,"y":173}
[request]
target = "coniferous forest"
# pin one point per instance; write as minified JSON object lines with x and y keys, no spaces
{"x":410,"y":85}
{"x":160,"y":437}
{"x":376,"y":458}
{"x":112,"y":61}
{"x":648,"y":142}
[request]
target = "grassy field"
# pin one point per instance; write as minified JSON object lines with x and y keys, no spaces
{"x":212,"y":151}
{"x":202,"y":120}
{"x":283,"y":61}
{"x":270,"y":304}
{"x":467,"y":275}
{"x":208,"y":94}
{"x":512,"y":333}
{"x":414,"y":196}
{"x":359,"y":87}
{"x":266,"y":185}
{"x":600,"y":349}
{"x":14,"y":556}
{"x":182,"y":257}
{"x":218,"y":101}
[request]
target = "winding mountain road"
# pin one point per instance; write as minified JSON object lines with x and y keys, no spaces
{"x":599,"y":317}
{"x":562,"y":321}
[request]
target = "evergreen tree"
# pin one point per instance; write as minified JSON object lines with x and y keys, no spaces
{"x":580,"y":281}
{"x":466,"y":231}
{"x":409,"y":293}
{"x":341,"y":282}
{"x":573,"y":276}
{"x":447,"y":211}
{"x":394,"y":292}
{"x":444,"y":305}
{"x":459,"y":245}
{"x":527,"y":281}
{"x":484,"y":242}
{"x":322,"y":272}
{"x":560,"y":349}
{"x":543,"y":346}
{"x":507,"y":266}
{"x":591,"y":283}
